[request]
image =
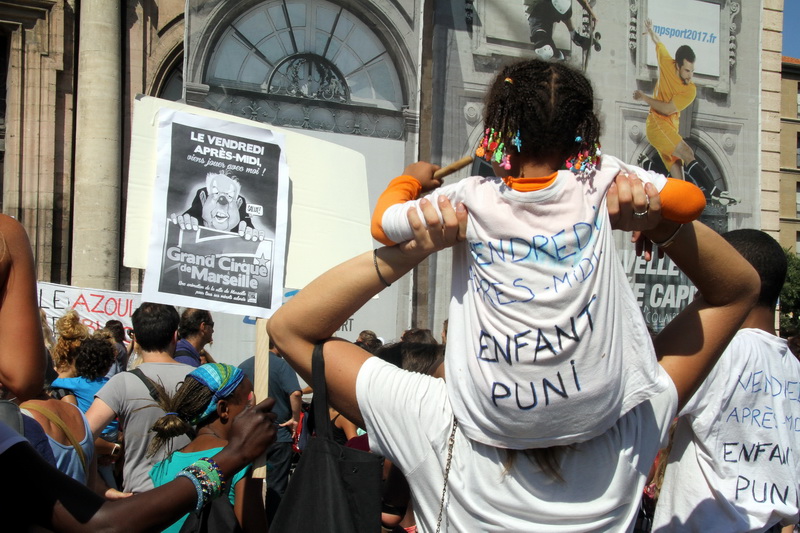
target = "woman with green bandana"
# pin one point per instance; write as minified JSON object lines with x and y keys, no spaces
{"x":209,"y":399}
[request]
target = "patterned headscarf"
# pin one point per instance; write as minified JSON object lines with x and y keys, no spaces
{"x":221,"y":379}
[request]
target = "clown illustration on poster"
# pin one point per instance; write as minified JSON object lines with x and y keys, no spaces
{"x":220,"y":208}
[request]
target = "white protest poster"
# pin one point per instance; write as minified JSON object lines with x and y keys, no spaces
{"x":220,"y":207}
{"x":328,"y":201}
{"x":95,"y":306}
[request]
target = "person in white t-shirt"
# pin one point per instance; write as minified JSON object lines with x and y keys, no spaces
{"x":734,"y":464}
{"x":464,"y":485}
{"x":547,"y":344}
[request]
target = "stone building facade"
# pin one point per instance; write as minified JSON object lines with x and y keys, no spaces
{"x":70,"y":81}
{"x":790,"y":155}
{"x":398,"y":80}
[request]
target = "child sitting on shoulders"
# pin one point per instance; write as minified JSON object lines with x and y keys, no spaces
{"x":546,"y":343}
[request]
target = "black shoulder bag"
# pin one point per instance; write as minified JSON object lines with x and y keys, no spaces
{"x":215,"y":517}
{"x":334,"y":488}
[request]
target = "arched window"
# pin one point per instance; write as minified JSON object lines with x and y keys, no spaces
{"x":172,"y":88}
{"x":168,"y":82}
{"x":309,"y":64}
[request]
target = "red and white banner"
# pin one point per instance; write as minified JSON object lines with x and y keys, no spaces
{"x":95,"y":306}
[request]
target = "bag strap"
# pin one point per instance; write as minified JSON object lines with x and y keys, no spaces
{"x":151,"y":388}
{"x":55,"y":419}
{"x":450,"y":443}
{"x":322,"y":420}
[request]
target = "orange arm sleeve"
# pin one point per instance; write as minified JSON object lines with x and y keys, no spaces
{"x":681,"y":201}
{"x":399,"y":191}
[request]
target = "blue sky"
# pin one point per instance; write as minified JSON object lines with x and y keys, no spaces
{"x":791,"y":28}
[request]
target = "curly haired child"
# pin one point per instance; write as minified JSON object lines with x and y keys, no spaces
{"x":92,"y":359}
{"x":70,"y":332}
{"x":546,"y":343}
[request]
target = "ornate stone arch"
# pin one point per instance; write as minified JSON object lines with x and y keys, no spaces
{"x":314,"y":64}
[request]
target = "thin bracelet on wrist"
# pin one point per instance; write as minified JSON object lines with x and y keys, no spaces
{"x":669,"y":240}
{"x":378,"y":270}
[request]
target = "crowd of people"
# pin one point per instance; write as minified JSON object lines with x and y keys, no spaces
{"x":587,"y":425}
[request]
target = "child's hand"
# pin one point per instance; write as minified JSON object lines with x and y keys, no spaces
{"x":633,"y":205}
{"x":431,"y":233}
{"x":423,"y":173}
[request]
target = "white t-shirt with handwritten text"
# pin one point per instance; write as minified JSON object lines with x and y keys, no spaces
{"x":734,"y":465}
{"x":546,"y":344}
{"x":409,"y":420}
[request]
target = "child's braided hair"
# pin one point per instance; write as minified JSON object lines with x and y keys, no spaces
{"x":549,"y":104}
{"x":190,"y":400}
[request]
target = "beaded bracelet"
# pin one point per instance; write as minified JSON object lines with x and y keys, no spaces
{"x":201,"y":499}
{"x":216,"y":470}
{"x":669,"y":240}
{"x":207,"y":479}
{"x":378,"y":270}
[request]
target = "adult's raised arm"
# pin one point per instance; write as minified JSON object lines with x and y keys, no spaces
{"x":727,"y":286}
{"x":318,"y":310}
{"x":22,"y":353}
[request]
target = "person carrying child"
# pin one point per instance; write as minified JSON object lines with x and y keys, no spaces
{"x":546,"y":345}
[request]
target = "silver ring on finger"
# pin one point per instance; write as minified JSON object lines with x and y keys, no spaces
{"x":643,"y":213}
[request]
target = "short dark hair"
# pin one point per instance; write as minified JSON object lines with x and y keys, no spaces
{"x":391,"y":353}
{"x":684,"y":53}
{"x":424,"y":358}
{"x":421,"y":357}
{"x":154,"y":326}
{"x":94,"y":357}
{"x":191,"y":320}
{"x":766,"y":256}
{"x":369,"y":341}
{"x":117,"y":330}
{"x":420,"y":335}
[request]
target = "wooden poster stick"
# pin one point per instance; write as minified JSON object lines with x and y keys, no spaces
{"x":261,"y":386}
{"x":452,"y":167}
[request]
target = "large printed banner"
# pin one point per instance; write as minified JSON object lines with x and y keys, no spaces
{"x":691,"y":23}
{"x":677,"y":86}
{"x":95,"y":306}
{"x":220,"y":204}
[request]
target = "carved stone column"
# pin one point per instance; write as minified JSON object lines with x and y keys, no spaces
{"x":38,"y":126}
{"x":98,"y":147}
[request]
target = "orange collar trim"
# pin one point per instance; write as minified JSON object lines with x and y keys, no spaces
{"x":530,"y":184}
